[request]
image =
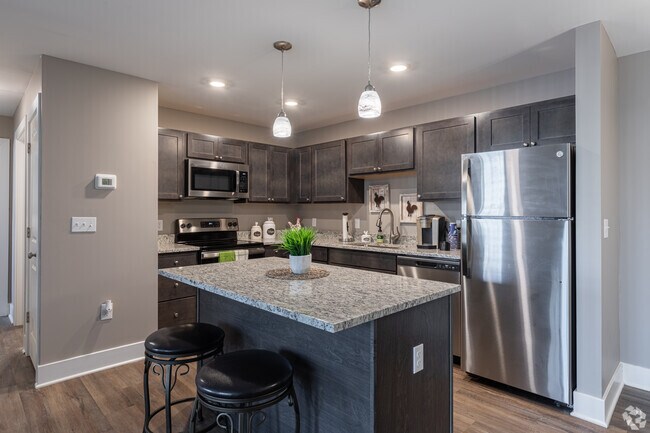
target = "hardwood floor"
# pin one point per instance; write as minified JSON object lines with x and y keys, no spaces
{"x":111,"y":402}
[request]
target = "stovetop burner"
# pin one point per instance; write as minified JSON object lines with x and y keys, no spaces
{"x":211,"y":234}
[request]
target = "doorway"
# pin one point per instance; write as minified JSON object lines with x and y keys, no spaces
{"x":5,"y":189}
{"x":18,"y":228}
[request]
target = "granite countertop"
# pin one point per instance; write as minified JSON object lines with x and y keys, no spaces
{"x":400,"y":249}
{"x":167,"y":245}
{"x":344,"y":299}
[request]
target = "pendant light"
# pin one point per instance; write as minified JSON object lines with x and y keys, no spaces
{"x":282,"y":126}
{"x":369,"y":102}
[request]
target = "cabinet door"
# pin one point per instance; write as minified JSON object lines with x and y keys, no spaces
{"x":171,"y":170}
{"x":302,"y":175}
{"x":202,"y":146}
{"x":553,"y":122}
{"x":363,"y":155}
{"x":259,"y":170}
{"x":230,"y":150}
{"x":330,"y":178}
{"x":396,"y":150}
{"x":503,"y":129}
{"x":439,"y":146}
{"x":279,"y":179}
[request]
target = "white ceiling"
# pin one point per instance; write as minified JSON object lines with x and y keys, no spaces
{"x":452,"y":47}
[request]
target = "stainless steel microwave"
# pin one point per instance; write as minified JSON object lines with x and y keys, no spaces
{"x":209,"y":179}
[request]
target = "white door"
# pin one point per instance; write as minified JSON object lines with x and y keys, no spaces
{"x":18,"y":229}
{"x":33,"y":224}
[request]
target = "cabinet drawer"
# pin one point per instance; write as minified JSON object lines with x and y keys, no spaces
{"x":365,"y":260}
{"x":177,"y":312}
{"x":177,"y":259}
{"x":273,"y":251}
{"x":169,"y":289}
{"x":319,"y":254}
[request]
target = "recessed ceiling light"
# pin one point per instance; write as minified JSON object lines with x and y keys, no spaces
{"x":291,"y":103}
{"x":398,"y":68}
{"x":217,"y":83}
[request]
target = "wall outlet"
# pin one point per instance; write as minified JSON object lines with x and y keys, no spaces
{"x":106,"y":310}
{"x":160,"y":225}
{"x":418,"y":358}
{"x":313,"y":222}
{"x":605,"y":228}
{"x":357,"y":223}
{"x":83,"y":225}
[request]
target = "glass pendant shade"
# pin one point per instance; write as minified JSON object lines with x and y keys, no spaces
{"x":282,"y":126}
{"x":369,"y":103}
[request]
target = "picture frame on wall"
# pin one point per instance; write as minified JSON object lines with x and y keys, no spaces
{"x":378,"y":198}
{"x":409,"y":208}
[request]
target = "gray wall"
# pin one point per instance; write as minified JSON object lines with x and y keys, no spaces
{"x":634,"y":106}
{"x":97,"y":121}
{"x":596,"y":267}
{"x":6,"y":127}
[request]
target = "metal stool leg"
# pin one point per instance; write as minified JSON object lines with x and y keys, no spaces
{"x":167,"y":371}
{"x":195,"y":409}
{"x":147,"y":403}
{"x":293,"y":401}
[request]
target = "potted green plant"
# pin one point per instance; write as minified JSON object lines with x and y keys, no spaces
{"x":297,"y":242}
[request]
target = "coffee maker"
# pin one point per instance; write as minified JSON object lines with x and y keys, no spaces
{"x":431,"y":229}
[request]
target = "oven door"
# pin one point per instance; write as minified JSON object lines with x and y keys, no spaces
{"x":213,"y":256}
{"x":209,"y":179}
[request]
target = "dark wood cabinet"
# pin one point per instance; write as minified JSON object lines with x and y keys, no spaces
{"x":171,"y":168}
{"x":439,"y":146}
{"x":330,"y":180}
{"x":269,"y":173}
{"x":302,"y":175}
{"x":215,"y":148}
{"x":363,"y":259}
{"x":176,"y":301}
{"x":547,"y":122}
{"x":385,"y":152}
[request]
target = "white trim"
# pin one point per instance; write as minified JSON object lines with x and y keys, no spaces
{"x":599,"y":410}
{"x":636,"y":376}
{"x":49,"y":374}
{"x":11,"y":314}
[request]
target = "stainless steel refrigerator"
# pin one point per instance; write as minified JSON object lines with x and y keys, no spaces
{"x":518,"y":268}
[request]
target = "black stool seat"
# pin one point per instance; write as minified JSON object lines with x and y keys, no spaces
{"x":185,"y":340}
{"x":247,"y":374}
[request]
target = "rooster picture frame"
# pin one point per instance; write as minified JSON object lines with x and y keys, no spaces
{"x":378,"y":198}
{"x":409,"y":208}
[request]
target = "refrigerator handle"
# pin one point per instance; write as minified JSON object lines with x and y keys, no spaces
{"x":465,"y":182}
{"x":465,"y":235}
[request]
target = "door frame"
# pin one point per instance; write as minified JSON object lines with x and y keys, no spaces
{"x":5,"y":226}
{"x":32,"y":291}
{"x":18,"y":220}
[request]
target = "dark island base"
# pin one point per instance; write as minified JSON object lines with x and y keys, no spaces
{"x":359,"y":380}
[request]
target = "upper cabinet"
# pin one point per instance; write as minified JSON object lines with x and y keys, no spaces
{"x":547,"y":122}
{"x":215,"y":148}
{"x":269,"y":173}
{"x":439,"y":146}
{"x":378,"y":153}
{"x":171,"y":157}
{"x":330,"y":180}
{"x":302,"y":175}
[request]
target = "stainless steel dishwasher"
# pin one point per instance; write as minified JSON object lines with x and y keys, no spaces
{"x":445,"y":270}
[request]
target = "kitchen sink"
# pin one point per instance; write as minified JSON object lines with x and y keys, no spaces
{"x":362,"y":244}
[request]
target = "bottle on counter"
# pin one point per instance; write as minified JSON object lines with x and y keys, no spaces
{"x":365,"y":237}
{"x":452,"y":237}
{"x":268,"y":230}
{"x":379,"y":239}
{"x":256,"y":232}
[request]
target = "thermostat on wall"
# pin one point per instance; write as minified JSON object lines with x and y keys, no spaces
{"x":105,"y":181}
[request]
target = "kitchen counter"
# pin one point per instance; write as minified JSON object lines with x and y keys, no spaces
{"x":166,"y":245}
{"x":399,"y":249}
{"x":344,"y":299}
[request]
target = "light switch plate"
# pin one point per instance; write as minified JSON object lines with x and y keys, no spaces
{"x":160,"y":225}
{"x":83,"y":225}
{"x":418,"y":358}
{"x":605,"y":228}
{"x":357,"y":223}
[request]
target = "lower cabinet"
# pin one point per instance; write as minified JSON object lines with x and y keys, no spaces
{"x":176,"y":301}
{"x":364,"y":260}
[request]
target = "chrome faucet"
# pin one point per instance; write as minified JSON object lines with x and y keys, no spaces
{"x":392,"y":237}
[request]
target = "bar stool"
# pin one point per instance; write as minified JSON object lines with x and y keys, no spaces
{"x":241,"y":384}
{"x":168,"y":353}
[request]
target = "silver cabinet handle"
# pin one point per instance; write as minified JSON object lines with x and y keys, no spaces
{"x":216,"y":157}
{"x":374,"y":168}
{"x":532,"y":143}
{"x":419,"y":195}
{"x":180,"y":195}
{"x":378,"y":168}
{"x":342,"y":198}
{"x":175,"y":284}
{"x":525,"y":144}
{"x":175,"y":315}
{"x":175,"y":262}
{"x":31,"y":255}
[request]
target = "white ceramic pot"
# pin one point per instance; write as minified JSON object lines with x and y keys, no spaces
{"x":300,"y":264}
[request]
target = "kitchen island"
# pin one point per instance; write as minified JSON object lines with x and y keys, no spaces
{"x":350,"y":337}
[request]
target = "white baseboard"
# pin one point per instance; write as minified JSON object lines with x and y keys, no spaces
{"x":636,"y":377}
{"x":599,"y":410}
{"x":11,"y":314}
{"x":49,"y":374}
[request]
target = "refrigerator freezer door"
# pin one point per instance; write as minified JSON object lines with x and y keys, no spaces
{"x":517,"y":304}
{"x":527,"y":182}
